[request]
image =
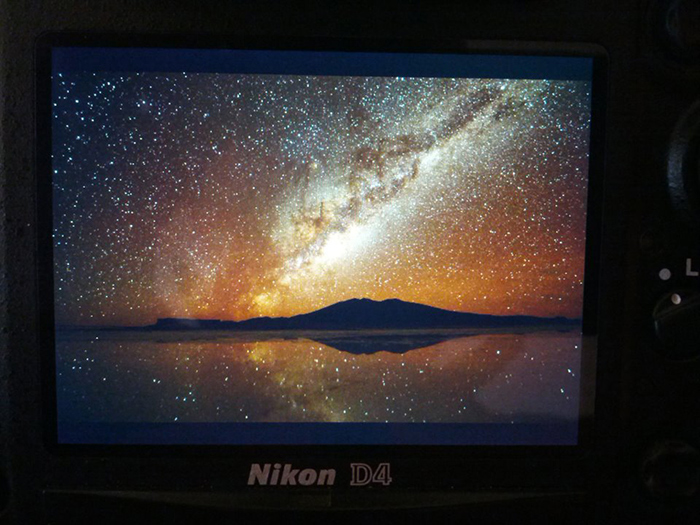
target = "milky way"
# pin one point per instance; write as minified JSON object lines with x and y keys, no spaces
{"x":232,"y":196}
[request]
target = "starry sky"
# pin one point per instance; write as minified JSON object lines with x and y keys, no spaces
{"x":232,"y":196}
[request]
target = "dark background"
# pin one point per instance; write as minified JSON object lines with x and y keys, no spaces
{"x":649,"y":89}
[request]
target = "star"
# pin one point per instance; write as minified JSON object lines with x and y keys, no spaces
{"x":233,"y":196}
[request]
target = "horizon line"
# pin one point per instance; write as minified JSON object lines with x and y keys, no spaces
{"x":199,"y":319}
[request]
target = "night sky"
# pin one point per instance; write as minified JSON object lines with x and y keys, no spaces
{"x":233,"y":196}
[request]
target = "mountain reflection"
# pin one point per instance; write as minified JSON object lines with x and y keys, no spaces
{"x":441,"y":377}
{"x":372,"y":343}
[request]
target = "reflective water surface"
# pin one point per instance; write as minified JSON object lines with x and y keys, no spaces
{"x":406,"y":376}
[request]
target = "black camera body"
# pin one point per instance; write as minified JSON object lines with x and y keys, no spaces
{"x":636,"y":457}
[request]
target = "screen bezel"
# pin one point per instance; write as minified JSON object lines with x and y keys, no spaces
{"x":434,"y":453}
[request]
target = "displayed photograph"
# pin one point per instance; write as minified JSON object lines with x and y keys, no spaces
{"x":297,"y":259}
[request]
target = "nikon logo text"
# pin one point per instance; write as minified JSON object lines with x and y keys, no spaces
{"x":278,"y":474}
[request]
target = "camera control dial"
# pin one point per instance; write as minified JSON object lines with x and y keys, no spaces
{"x":680,"y":24}
{"x":671,"y":471}
{"x":684,"y":164}
{"x":677,"y":326}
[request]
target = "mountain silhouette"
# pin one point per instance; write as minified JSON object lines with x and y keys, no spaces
{"x":367,"y":314}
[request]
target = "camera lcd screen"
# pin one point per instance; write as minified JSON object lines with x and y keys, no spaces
{"x":316,"y":248}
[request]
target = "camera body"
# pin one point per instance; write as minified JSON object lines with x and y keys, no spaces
{"x":640,"y":461}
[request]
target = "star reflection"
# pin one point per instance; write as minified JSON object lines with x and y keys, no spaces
{"x":477,"y":379}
